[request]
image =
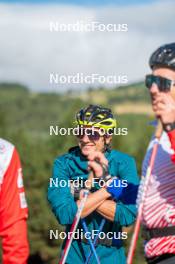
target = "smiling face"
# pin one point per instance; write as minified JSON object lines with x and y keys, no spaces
{"x":88,"y":145}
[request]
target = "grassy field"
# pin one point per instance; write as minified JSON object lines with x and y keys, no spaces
{"x":25,"y":118}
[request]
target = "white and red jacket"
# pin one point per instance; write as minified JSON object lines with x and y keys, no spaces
{"x":13,"y":207}
{"x":171,"y":136}
{"x":159,"y":202}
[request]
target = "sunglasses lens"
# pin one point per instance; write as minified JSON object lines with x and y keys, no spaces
{"x":149,"y":81}
{"x":163,"y":84}
{"x":80,"y":133}
{"x":94,"y":135}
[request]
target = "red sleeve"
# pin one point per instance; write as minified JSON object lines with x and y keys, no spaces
{"x":13,"y":215}
{"x":171,"y":135}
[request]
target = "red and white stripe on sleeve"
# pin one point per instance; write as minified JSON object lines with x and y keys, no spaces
{"x":172,"y":140}
{"x":159,"y":203}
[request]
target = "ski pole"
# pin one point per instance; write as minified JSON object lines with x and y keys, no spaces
{"x":90,"y":241}
{"x":73,"y":228}
{"x":147,"y":179}
{"x":105,"y":172}
{"x":95,"y":241}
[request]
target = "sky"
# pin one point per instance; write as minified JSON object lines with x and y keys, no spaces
{"x":29,"y":51}
{"x":82,"y":2}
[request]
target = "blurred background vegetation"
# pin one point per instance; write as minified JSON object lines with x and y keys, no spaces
{"x":25,"y":118}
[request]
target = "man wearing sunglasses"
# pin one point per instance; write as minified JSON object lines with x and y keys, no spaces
{"x":159,"y":205}
{"x":94,"y":161}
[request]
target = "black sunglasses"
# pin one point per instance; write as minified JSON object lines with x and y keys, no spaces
{"x":92,"y":134}
{"x":163,"y":84}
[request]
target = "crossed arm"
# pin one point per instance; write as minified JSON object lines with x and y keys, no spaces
{"x":64,"y":206}
{"x":99,"y":201}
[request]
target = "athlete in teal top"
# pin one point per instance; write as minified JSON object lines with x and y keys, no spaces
{"x":114,"y":203}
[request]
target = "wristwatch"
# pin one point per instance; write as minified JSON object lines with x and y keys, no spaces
{"x":169,"y":127}
{"x":106,"y":176}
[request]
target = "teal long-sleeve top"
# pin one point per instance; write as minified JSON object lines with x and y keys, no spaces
{"x":73,"y":165}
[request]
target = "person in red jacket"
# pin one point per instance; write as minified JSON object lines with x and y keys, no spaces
{"x":13,"y":207}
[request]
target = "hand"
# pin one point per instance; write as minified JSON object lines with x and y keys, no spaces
{"x":94,"y":165}
{"x":164,"y":107}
